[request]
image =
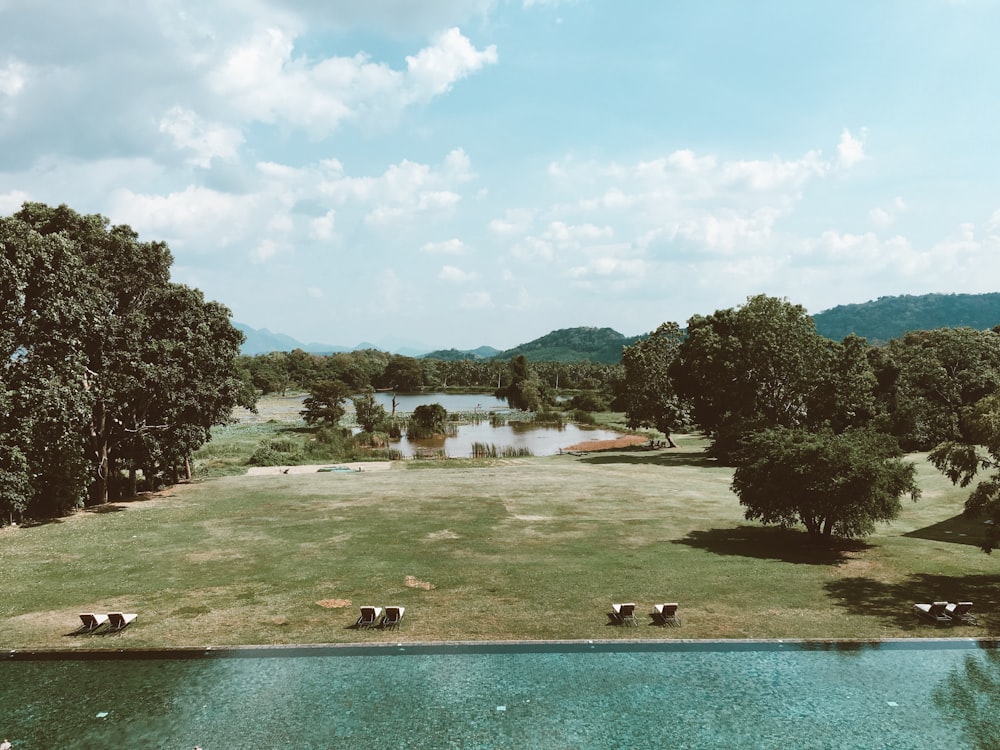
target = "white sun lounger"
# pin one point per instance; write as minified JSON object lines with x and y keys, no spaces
{"x":369,"y":617}
{"x":92,"y":621}
{"x":392,"y":617}
{"x":120,"y":620}
{"x":624,"y":614}
{"x":666,"y":614}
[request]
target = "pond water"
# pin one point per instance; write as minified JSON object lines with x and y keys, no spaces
{"x":577,"y":695}
{"x":540,"y":440}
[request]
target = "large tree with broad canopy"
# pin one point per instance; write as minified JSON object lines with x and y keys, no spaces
{"x":107,"y":366}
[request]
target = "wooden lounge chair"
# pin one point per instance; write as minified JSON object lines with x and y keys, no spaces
{"x":933,"y":612}
{"x":392,"y":617}
{"x":623,"y":614}
{"x":91,"y":622}
{"x":369,"y":617}
{"x":119,"y":621}
{"x":961,"y":613}
{"x":666,"y":614}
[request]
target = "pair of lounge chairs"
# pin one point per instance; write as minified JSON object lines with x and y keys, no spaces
{"x":112,"y":622}
{"x":946,"y":613}
{"x":662,"y":614}
{"x":372,"y":617}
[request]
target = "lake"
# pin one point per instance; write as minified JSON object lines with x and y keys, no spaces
{"x":540,"y":440}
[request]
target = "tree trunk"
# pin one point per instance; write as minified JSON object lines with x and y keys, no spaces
{"x":132,"y":482}
{"x":99,"y":441}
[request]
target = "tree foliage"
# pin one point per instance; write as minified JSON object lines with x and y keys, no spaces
{"x":833,"y":484}
{"x":761,"y":366}
{"x":650,"y":399}
{"x":108,"y":367}
{"x":369,"y":413}
{"x":936,"y":379}
{"x":962,"y":462}
{"x":427,"y":420}
{"x":325,"y":404}
{"x":523,"y":390}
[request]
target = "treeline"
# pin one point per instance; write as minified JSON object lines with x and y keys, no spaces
{"x":788,"y":407}
{"x":283,"y":372}
{"x":110,"y":374}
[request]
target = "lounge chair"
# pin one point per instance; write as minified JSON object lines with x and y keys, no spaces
{"x":623,"y":614}
{"x":392,"y":617}
{"x":119,"y":621}
{"x":369,"y":617}
{"x":934,"y":612}
{"x":961,"y":613}
{"x":91,"y":622}
{"x":666,"y":614}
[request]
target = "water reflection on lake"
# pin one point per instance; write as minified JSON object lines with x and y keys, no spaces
{"x":539,"y":440}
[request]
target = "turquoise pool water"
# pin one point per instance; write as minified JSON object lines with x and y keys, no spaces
{"x":572,"y":695}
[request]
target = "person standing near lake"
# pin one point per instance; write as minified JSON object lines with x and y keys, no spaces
{"x":5,"y":745}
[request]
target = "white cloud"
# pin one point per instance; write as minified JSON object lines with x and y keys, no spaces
{"x":12,"y":201}
{"x":206,"y":140}
{"x":457,"y":275}
{"x":885,"y":216}
{"x":321,"y":228}
{"x":453,"y":246}
{"x":264,"y":251}
{"x":194,"y":213}
{"x":475,"y":301}
{"x":404,"y":191}
{"x":13,"y":78}
{"x":516,"y":221}
{"x":851,"y":150}
{"x":267,"y":82}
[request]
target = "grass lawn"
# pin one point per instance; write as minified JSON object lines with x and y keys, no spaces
{"x":534,"y":548}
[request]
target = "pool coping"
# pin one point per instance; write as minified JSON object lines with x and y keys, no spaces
{"x":402,"y":648}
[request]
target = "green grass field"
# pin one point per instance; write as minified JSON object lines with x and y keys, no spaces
{"x":533,"y":548}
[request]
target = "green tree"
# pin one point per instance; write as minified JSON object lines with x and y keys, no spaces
{"x":939,"y":377}
{"x":962,"y":462}
{"x":833,"y":484}
{"x":92,"y":326}
{"x":649,"y":396}
{"x":402,"y":374}
{"x":325,"y":403}
{"x":523,"y":389}
{"x":427,"y":420}
{"x":369,"y":413}
{"x":752,"y":368}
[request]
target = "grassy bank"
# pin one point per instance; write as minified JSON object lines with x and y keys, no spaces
{"x":535,"y":548}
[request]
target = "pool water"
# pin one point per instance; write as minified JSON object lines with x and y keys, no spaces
{"x":535,"y":696}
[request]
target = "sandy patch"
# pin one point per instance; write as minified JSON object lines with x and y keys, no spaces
{"x":625,"y":441}
{"x":413,"y":583}
{"x":443,"y":534}
{"x":358,"y":466}
{"x":334,"y":603}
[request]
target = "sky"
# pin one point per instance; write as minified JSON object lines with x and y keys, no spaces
{"x":459,"y":173}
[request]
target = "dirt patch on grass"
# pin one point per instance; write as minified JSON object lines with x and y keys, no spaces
{"x":414,"y":583}
{"x":443,"y":534}
{"x":625,"y":441}
{"x":334,"y":603}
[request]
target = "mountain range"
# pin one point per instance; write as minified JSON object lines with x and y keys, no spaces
{"x":878,"y":321}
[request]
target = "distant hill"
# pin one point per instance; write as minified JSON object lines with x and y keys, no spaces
{"x":890,"y":317}
{"x":454,"y":355}
{"x":263,"y":341}
{"x":575,"y":345}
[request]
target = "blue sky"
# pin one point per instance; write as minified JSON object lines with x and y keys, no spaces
{"x":453,"y":173}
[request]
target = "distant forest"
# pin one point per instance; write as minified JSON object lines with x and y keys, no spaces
{"x":890,"y":317}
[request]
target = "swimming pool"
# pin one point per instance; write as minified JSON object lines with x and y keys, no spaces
{"x":895,"y":694}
